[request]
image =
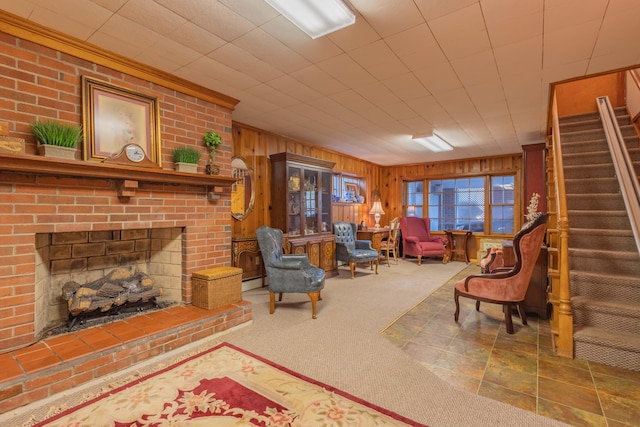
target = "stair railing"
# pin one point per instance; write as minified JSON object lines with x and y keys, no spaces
{"x":627,"y":178}
{"x":559,"y":292}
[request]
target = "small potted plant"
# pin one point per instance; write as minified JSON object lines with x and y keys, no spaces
{"x":186,"y":159}
{"x":57,"y":139}
{"x":212,"y":140}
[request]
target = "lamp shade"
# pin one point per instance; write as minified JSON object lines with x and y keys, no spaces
{"x":376,"y":210}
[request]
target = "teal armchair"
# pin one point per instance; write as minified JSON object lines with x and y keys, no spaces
{"x":288,"y":273}
{"x":350,"y":250}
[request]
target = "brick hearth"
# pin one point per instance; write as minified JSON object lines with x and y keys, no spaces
{"x":65,"y":361}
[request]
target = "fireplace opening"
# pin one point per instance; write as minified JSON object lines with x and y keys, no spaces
{"x":92,"y":257}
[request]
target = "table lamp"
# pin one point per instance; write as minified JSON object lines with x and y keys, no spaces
{"x":376,"y":210}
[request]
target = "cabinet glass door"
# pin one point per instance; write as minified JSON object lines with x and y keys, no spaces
{"x":325,"y":202}
{"x":310,"y":202}
{"x":294,"y":205}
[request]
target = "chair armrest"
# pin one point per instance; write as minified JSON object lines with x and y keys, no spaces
{"x":364,"y":244}
{"x":304,"y":258}
{"x":439,"y":239}
{"x":288,"y":265}
{"x":411,"y":239}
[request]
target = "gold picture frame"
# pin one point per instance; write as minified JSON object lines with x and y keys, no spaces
{"x":114,"y":117}
{"x":352,"y":188}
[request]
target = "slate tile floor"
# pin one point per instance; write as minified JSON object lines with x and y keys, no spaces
{"x":478,"y":355}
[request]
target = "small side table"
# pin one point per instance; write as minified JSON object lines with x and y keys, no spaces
{"x":458,"y":243}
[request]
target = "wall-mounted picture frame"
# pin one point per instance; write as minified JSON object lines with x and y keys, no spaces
{"x":114,"y":117}
{"x":352,"y":188}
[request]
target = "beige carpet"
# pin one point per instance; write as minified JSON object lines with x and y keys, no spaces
{"x":343,"y":346}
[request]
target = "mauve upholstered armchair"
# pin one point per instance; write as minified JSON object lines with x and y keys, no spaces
{"x":288,"y":273}
{"x":507,"y":288}
{"x":417,"y":240}
{"x":353,"y":251}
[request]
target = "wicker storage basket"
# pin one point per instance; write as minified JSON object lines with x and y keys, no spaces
{"x":216,"y":287}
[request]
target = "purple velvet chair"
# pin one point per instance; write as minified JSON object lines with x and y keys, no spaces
{"x":418,"y":242}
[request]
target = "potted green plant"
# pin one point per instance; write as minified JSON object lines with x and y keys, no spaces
{"x":57,"y":139}
{"x":186,"y":159}
{"x":212,"y":140}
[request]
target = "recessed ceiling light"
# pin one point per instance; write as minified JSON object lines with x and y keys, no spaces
{"x":433,"y":142}
{"x":315,"y":17}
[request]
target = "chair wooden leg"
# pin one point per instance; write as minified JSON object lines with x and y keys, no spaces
{"x":315,"y":296}
{"x":272,"y":302}
{"x":280,"y":297}
{"x":478,"y":305}
{"x":523,"y":314}
{"x":352,"y":266}
{"x":377,"y":262}
{"x":419,"y":259}
{"x":395,"y":256}
{"x":507,"y":318}
{"x":457,"y":312}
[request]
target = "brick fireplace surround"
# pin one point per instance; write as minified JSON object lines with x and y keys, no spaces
{"x":40,"y":80}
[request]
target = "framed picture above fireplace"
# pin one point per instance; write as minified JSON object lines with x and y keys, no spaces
{"x":116,"y":117}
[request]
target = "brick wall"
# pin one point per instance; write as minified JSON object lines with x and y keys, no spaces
{"x":41,"y":83}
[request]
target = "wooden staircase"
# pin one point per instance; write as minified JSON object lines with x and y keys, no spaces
{"x":603,"y":258}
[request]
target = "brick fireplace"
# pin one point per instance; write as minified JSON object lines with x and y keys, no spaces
{"x":59,"y":221}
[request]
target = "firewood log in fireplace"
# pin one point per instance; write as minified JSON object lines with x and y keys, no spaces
{"x":117,"y":288}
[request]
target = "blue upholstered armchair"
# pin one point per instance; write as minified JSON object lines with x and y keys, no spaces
{"x":350,"y":250}
{"x":288,"y":273}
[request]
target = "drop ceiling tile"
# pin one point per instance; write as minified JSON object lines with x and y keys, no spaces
{"x":570,"y":13}
{"x":509,"y":22}
{"x":378,"y":94}
{"x":289,"y":35}
{"x":456,"y":42}
{"x":263,"y":46}
{"x":196,"y":38}
{"x":216,"y":72}
{"x":486,"y":92}
{"x":258,"y":12}
{"x":378,"y":60}
{"x":167,"y":55}
{"x":317,"y":79}
{"x":388,"y":17}
{"x":406,"y":86}
{"x":294,"y":88}
{"x":432,"y":9}
{"x":152,"y":15}
{"x":344,"y":69}
{"x":81,"y":23}
{"x":354,"y":36}
{"x":476,"y":68}
{"x":438,"y":78}
{"x":519,"y":58}
{"x":570,"y":44}
{"x":416,"y":47}
{"x":238,"y":59}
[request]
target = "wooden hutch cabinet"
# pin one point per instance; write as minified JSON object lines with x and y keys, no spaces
{"x":301,"y":207}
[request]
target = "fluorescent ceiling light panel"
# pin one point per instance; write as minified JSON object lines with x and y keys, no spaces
{"x":433,"y":143}
{"x":315,"y":17}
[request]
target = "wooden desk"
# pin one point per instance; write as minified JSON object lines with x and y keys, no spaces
{"x":376,"y":235}
{"x":458,"y":244}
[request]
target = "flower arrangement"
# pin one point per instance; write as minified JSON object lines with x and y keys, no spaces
{"x":532,"y":209}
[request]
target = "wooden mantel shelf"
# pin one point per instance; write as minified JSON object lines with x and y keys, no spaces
{"x":39,"y":165}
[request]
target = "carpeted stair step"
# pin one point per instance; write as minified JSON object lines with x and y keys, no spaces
{"x":582,"y":117}
{"x":602,"y":239}
{"x":613,"y":315}
{"x":593,"y":135}
{"x":606,"y":286}
{"x":601,"y":220}
{"x":602,"y":202}
{"x":597,"y":261}
{"x":600,"y":170}
{"x":594,"y":186}
{"x":571,"y":147}
{"x":607,"y":347}
{"x":595,"y":157}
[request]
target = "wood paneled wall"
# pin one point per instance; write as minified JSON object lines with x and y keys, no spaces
{"x":256,"y":146}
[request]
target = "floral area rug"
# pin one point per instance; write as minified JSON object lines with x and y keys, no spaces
{"x":226,"y":386}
